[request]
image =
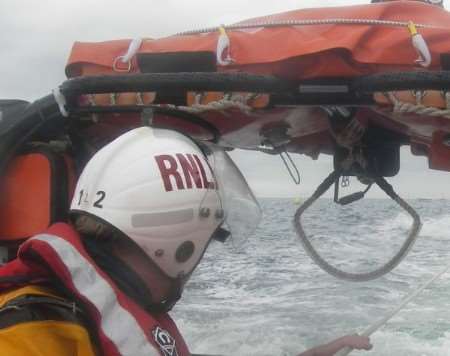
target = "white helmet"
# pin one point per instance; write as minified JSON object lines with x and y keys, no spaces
{"x":157,"y":187}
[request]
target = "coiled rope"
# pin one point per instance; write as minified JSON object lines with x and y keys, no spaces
{"x":402,"y":107}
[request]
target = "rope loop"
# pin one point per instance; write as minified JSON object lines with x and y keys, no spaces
{"x":357,"y":277}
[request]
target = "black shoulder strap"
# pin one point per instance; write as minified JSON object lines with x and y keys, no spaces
{"x":37,"y":308}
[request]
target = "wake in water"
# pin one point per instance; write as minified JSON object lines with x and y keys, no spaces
{"x":270,"y":299}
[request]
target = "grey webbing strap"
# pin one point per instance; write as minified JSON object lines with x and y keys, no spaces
{"x":357,"y":277}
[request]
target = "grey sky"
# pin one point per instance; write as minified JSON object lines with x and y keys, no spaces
{"x":37,"y":37}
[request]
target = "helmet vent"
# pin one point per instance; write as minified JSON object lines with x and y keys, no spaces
{"x":185,"y":251}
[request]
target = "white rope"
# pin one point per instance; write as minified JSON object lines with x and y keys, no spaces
{"x":447,"y":99}
{"x":219,"y":105}
{"x":310,"y":22}
{"x":236,"y":102}
{"x":91,"y":100}
{"x":223,"y":56}
{"x":378,"y":324}
{"x":406,"y":108}
{"x":113,"y":98}
{"x":139,"y":99}
{"x":134,"y":46}
{"x":420,"y":46}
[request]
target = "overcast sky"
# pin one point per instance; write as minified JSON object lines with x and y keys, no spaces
{"x":37,"y":37}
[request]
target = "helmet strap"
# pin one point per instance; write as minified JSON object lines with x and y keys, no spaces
{"x":126,"y":279}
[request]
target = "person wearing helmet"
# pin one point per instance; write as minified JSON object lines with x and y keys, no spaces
{"x":144,"y":210}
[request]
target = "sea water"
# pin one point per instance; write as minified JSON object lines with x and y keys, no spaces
{"x":269,"y":298}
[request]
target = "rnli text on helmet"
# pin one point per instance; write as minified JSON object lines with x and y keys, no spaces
{"x":188,"y":165}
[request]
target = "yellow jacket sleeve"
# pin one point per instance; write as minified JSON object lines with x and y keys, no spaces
{"x":35,"y":321}
{"x":45,"y":338}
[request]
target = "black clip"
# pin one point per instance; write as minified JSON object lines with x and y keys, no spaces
{"x":348,"y":199}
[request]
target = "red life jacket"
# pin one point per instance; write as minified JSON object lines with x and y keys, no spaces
{"x":122,"y":326}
